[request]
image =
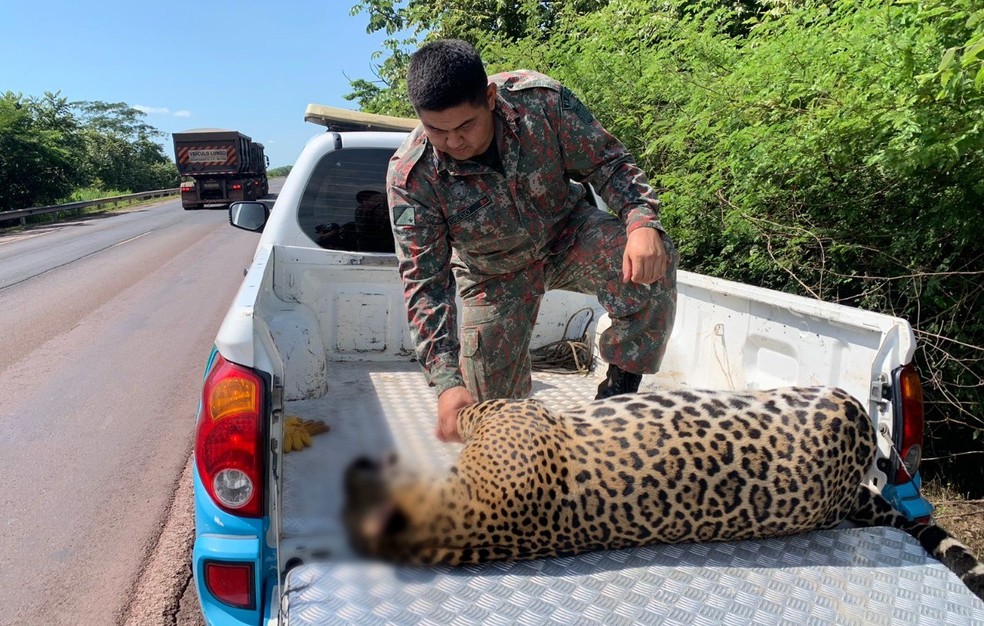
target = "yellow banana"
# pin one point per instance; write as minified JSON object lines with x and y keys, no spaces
{"x":298,"y":433}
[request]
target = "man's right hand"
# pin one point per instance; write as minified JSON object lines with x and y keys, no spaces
{"x":449,"y":404}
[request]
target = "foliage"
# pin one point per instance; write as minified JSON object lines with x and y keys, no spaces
{"x":834,"y":150}
{"x":93,"y":193}
{"x":410,"y":23}
{"x":50,"y":146}
{"x":961,"y":70}
{"x":121,"y":149}
{"x":37,"y":163}
{"x":279,"y":172}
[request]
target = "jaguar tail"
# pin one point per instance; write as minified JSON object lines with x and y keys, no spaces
{"x":874,"y":510}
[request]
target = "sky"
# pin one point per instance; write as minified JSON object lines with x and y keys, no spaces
{"x":244,"y":65}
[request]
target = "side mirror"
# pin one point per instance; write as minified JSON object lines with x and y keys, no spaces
{"x":250,"y":216}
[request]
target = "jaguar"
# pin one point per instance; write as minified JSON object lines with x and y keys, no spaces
{"x":670,"y":466}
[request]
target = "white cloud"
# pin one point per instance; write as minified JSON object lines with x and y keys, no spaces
{"x":151,"y":110}
{"x":161,"y":111}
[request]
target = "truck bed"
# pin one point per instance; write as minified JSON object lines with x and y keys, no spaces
{"x":843,"y":576}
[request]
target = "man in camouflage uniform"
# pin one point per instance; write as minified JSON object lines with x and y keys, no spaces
{"x":487,"y":194}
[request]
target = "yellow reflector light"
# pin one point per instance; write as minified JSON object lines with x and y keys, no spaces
{"x":911,"y":386}
{"x":232,"y":396}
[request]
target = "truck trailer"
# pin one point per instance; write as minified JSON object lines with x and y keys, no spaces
{"x":219,"y":167}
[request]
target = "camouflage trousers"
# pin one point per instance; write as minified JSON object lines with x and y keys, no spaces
{"x":499,"y":312}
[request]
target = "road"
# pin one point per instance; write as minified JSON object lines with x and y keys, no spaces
{"x":105,"y":325}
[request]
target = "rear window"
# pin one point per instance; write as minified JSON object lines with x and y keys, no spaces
{"x":344,"y":206}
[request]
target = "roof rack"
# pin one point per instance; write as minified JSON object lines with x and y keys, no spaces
{"x":344,"y":120}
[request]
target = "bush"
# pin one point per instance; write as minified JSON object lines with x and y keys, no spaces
{"x":833,"y":150}
{"x":822,"y":152}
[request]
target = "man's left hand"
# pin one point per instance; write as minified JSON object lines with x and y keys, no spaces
{"x":644,"y":260}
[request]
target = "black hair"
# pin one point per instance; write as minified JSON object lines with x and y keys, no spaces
{"x":366,"y":194}
{"x":445,"y":73}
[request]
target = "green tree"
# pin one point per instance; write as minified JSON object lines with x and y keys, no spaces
{"x":121,"y":149}
{"x":526,"y":23}
{"x":410,"y":23}
{"x":50,"y":147}
{"x":37,"y":163}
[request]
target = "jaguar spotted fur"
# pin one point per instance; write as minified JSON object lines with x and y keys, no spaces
{"x":663,"y":467}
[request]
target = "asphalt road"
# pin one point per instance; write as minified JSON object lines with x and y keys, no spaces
{"x":105,"y":325}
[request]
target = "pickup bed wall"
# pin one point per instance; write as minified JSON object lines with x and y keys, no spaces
{"x":726,"y":335}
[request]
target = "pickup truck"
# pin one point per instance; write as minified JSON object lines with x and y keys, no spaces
{"x":318,"y":330}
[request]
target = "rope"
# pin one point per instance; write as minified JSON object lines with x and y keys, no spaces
{"x":570,"y":355}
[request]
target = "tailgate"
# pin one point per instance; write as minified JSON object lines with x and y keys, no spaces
{"x":845,"y":576}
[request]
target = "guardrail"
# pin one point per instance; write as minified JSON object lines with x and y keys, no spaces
{"x":23,"y":214}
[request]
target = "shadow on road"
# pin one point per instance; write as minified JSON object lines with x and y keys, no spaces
{"x":74,"y":220}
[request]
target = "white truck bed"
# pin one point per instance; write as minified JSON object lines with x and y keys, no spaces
{"x":844,"y":576}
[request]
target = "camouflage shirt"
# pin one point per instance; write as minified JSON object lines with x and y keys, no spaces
{"x":485,"y":223}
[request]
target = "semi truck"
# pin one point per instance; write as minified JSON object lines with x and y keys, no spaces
{"x":318,"y":331}
{"x":219,"y":167}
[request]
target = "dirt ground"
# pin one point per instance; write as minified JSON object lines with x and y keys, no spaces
{"x":961,"y":517}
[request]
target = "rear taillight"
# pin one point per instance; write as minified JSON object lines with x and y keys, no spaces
{"x":229,"y":439}
{"x":236,"y":187}
{"x":187,"y":187}
{"x":231,"y":583}
{"x":907,"y":400}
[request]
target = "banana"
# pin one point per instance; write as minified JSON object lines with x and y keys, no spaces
{"x":298,"y":433}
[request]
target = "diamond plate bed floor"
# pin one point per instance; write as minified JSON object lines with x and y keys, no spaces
{"x":846,"y":576}
{"x":853,"y":576}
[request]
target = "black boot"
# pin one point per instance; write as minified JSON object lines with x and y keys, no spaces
{"x":618,"y":381}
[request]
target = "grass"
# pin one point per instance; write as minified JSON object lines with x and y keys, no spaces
{"x":93,"y":193}
{"x":960,"y":516}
